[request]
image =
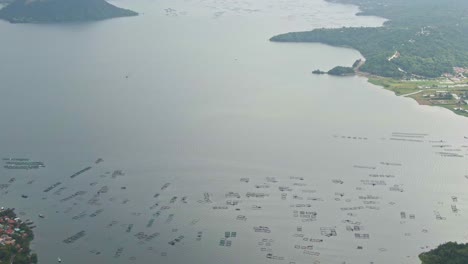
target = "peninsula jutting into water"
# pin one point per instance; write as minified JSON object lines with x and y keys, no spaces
{"x":53,"y":11}
{"x":423,"y":40}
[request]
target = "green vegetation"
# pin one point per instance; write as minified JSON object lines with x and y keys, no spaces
{"x":449,"y":253}
{"x":15,"y":238}
{"x":436,"y":92}
{"x":50,"y":11}
{"x":341,"y":71}
{"x":423,"y":38}
{"x":421,"y":52}
{"x":400,"y":87}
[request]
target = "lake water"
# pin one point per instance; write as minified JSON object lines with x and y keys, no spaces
{"x":192,"y":94}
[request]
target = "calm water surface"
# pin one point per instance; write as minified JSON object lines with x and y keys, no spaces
{"x":193,"y":94}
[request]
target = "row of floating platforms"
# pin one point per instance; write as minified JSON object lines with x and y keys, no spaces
{"x":22,"y":164}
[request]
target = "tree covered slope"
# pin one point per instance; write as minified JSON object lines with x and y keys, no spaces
{"x":449,"y":253}
{"x":427,"y":37}
{"x":47,"y":11}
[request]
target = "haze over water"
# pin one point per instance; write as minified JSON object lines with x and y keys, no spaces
{"x":193,"y":94}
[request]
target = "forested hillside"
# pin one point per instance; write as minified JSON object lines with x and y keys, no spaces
{"x":422,"y":37}
{"x":53,"y":11}
{"x":449,"y":253}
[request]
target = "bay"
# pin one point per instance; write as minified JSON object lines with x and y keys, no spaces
{"x":193,"y":94}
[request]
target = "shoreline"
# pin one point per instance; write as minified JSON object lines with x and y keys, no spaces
{"x":425,"y":92}
{"x":412,"y":93}
{"x":443,"y":86}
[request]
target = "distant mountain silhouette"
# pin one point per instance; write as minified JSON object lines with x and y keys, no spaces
{"x":54,"y":11}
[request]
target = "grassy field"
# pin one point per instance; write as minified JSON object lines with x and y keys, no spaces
{"x":425,"y":90}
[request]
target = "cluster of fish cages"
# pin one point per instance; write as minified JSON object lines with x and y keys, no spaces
{"x":22,"y":164}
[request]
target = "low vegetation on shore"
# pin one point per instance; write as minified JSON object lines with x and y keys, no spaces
{"x":441,"y":92}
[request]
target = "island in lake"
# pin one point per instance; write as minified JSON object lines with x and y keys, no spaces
{"x":54,"y":11}
{"x":420,"y":52}
{"x":15,"y":238}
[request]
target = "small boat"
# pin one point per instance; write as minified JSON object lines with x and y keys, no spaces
{"x":41,"y":215}
{"x":24,"y":196}
{"x":59,"y":260}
